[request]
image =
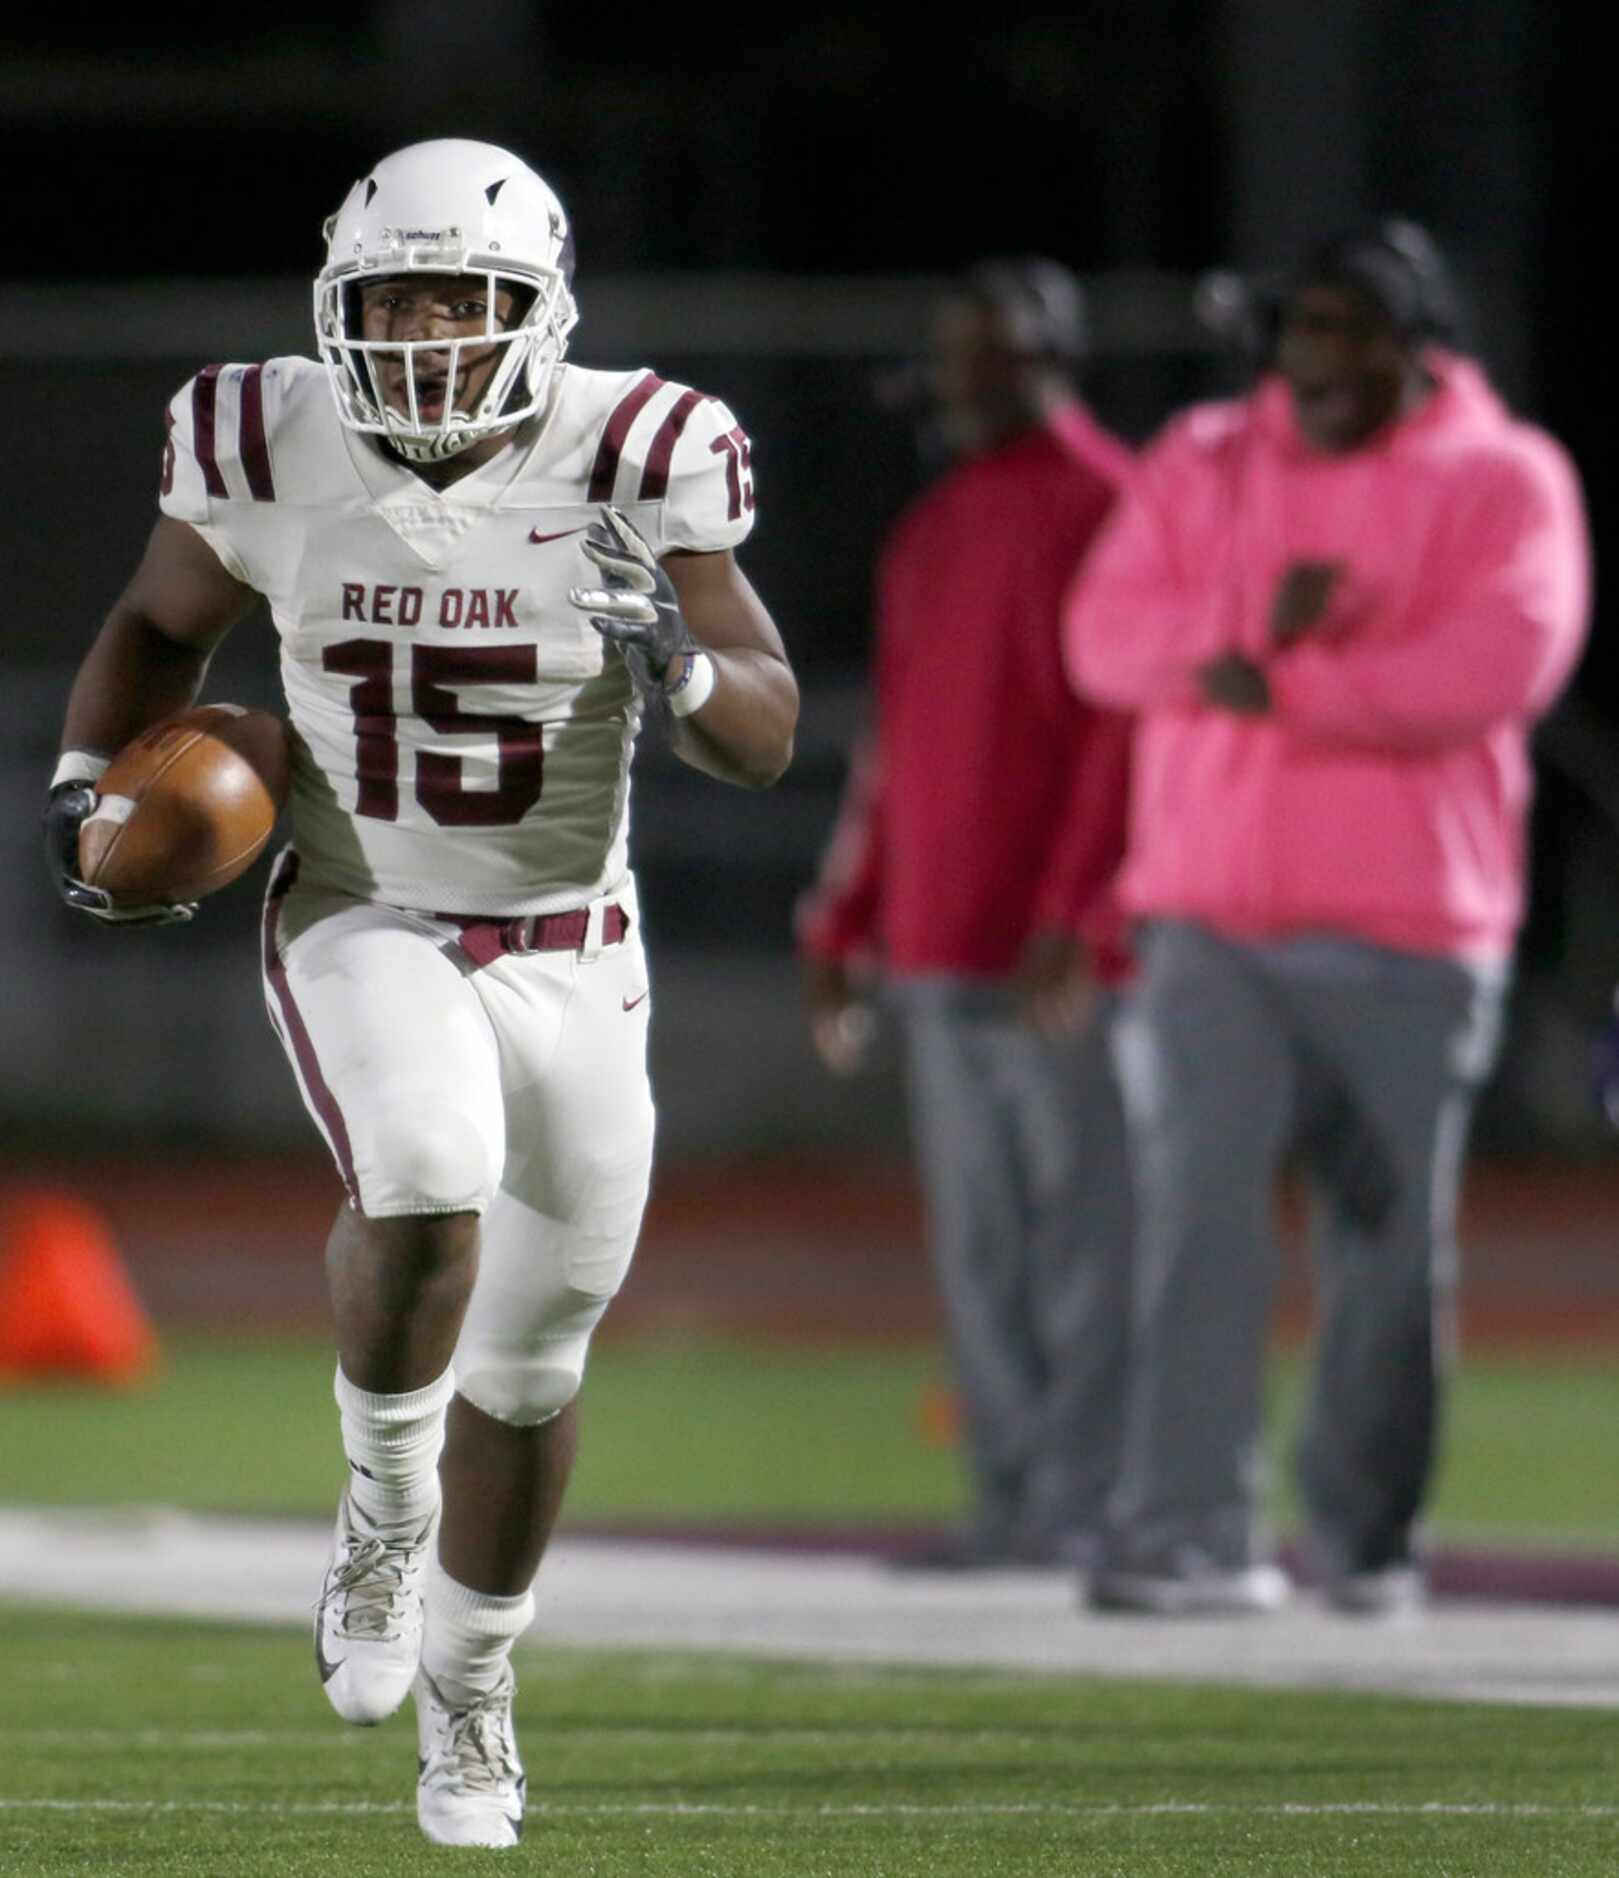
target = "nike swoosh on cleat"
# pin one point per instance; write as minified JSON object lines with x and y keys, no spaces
{"x":327,"y":1669}
{"x":630,"y":1003}
{"x":536,"y":537}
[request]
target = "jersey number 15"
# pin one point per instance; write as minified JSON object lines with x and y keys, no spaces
{"x":435,"y":673}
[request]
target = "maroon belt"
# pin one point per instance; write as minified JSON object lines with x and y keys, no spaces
{"x":485,"y":940}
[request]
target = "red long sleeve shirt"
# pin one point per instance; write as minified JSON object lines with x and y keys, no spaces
{"x":990,"y":801}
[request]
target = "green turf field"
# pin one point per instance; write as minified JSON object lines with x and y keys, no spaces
{"x":157,"y":1748}
{"x":716,"y":1429}
{"x":147,"y":1749}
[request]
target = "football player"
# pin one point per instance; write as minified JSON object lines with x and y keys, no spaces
{"x":486,"y":568}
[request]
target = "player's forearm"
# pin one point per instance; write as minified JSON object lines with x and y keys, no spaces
{"x":743,"y":731}
{"x":132,"y":675}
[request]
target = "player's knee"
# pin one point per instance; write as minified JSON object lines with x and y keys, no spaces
{"x":523,"y":1394}
{"x":427,"y":1158}
{"x":527,"y":1378}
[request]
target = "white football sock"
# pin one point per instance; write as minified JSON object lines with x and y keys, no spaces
{"x":469,"y":1634}
{"x":393,"y":1443}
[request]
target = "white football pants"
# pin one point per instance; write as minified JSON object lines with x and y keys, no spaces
{"x":516,"y":1090}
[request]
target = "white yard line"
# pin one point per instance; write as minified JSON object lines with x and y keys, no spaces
{"x":843,"y":1610}
{"x":704,"y":1809}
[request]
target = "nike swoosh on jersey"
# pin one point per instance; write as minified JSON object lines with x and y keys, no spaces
{"x":630,"y":1003}
{"x":537,"y":538}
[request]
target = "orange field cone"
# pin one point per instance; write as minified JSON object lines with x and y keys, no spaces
{"x":66,"y":1304}
{"x":938,"y":1416}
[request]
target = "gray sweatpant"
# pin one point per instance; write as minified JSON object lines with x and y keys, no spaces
{"x":1020,"y":1148}
{"x":1369,"y":1060}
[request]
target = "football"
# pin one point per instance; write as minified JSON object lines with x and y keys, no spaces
{"x":186,"y":806}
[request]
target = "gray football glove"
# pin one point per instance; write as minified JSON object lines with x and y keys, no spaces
{"x":638,"y":610}
{"x":65,"y":811}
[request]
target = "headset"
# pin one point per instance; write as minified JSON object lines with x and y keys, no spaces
{"x":1044,"y":299}
{"x":1393,"y":261}
{"x":1397,"y":263}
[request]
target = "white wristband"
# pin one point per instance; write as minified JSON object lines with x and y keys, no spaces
{"x":79,"y":766}
{"x":696,"y":683}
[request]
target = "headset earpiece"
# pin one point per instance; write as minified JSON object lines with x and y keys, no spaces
{"x":1437,"y":315}
{"x":1043,"y":296}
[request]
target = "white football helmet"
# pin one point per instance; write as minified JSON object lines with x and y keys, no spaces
{"x":447,"y":207}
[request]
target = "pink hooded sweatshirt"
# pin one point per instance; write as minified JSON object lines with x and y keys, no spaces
{"x":1384,"y":796}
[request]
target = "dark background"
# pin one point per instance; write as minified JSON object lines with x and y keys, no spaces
{"x":764,"y":205}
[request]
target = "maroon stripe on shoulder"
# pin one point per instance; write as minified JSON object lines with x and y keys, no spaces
{"x":303,"y":1048}
{"x":655,"y":476}
{"x":204,"y":402}
{"x":604,"y":471}
{"x":255,"y":444}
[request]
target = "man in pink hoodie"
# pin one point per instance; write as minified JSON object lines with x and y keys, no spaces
{"x":1338,"y":606}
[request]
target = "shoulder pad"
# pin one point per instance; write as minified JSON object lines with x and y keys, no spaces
{"x":222,"y":428}
{"x":246,"y":433}
{"x":664,"y":443}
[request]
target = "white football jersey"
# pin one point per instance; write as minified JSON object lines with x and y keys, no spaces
{"x":462,"y":732}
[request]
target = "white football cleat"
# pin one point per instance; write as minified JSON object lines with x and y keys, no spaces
{"x":471,"y":1788}
{"x":1192,"y":1586}
{"x":368,"y":1623}
{"x":1390,"y":1591}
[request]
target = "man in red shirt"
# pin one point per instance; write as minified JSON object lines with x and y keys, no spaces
{"x":970,"y":871}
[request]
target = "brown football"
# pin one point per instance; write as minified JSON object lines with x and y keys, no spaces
{"x":186,"y":806}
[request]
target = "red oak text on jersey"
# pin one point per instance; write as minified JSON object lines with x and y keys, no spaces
{"x":386,"y":605}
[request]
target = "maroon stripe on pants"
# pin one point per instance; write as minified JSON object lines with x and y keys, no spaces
{"x":204,"y":401}
{"x":255,"y":445}
{"x":303,"y":1048}
{"x":604,"y":471}
{"x":655,"y":477}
